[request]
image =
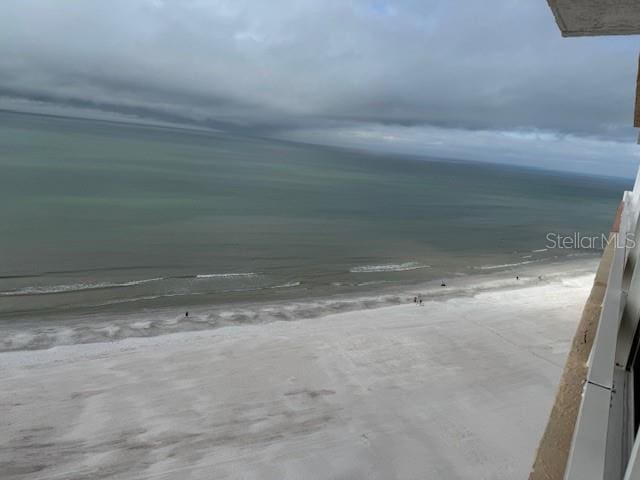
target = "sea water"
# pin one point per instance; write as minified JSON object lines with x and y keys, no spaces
{"x":100,"y":219}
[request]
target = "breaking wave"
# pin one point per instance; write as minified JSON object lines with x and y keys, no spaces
{"x":74,"y":287}
{"x":79,"y":287}
{"x":286,"y":285}
{"x":401,"y":267}
{"x":225,"y":275}
{"x":505,"y":265}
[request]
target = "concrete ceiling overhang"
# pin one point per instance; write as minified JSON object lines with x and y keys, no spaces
{"x":578,"y":18}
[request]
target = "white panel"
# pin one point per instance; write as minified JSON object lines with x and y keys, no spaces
{"x":587,"y":457}
{"x":603,"y":353}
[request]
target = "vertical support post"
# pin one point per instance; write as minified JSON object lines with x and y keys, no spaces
{"x":636,"y":116}
{"x":633,"y":468}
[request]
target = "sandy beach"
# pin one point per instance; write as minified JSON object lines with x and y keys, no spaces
{"x":457,"y":389}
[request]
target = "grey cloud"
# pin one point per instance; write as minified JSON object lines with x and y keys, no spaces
{"x":524,"y":148}
{"x":296,"y":65}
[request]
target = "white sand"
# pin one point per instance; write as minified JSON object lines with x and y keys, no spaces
{"x":458,"y":389}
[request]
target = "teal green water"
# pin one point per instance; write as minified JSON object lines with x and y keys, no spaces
{"x":100,"y":217}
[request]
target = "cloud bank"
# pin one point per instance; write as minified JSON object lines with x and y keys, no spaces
{"x":472,"y":79}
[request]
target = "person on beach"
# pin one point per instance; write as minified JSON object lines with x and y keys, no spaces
{"x":186,"y":314}
{"x":443,"y":284}
{"x":517,"y":277}
{"x":420,"y":302}
{"x":415,"y":299}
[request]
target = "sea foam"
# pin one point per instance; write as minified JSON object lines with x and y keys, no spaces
{"x":75,"y":287}
{"x":225,"y":275}
{"x":401,"y":267}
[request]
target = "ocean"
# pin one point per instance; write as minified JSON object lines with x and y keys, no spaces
{"x":100,"y":220}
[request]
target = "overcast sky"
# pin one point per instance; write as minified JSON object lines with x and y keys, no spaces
{"x":466,"y":79}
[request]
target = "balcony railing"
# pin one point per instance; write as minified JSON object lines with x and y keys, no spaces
{"x":605,"y":440}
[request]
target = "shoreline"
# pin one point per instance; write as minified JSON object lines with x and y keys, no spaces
{"x":33,"y":334}
{"x":459,"y":388}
